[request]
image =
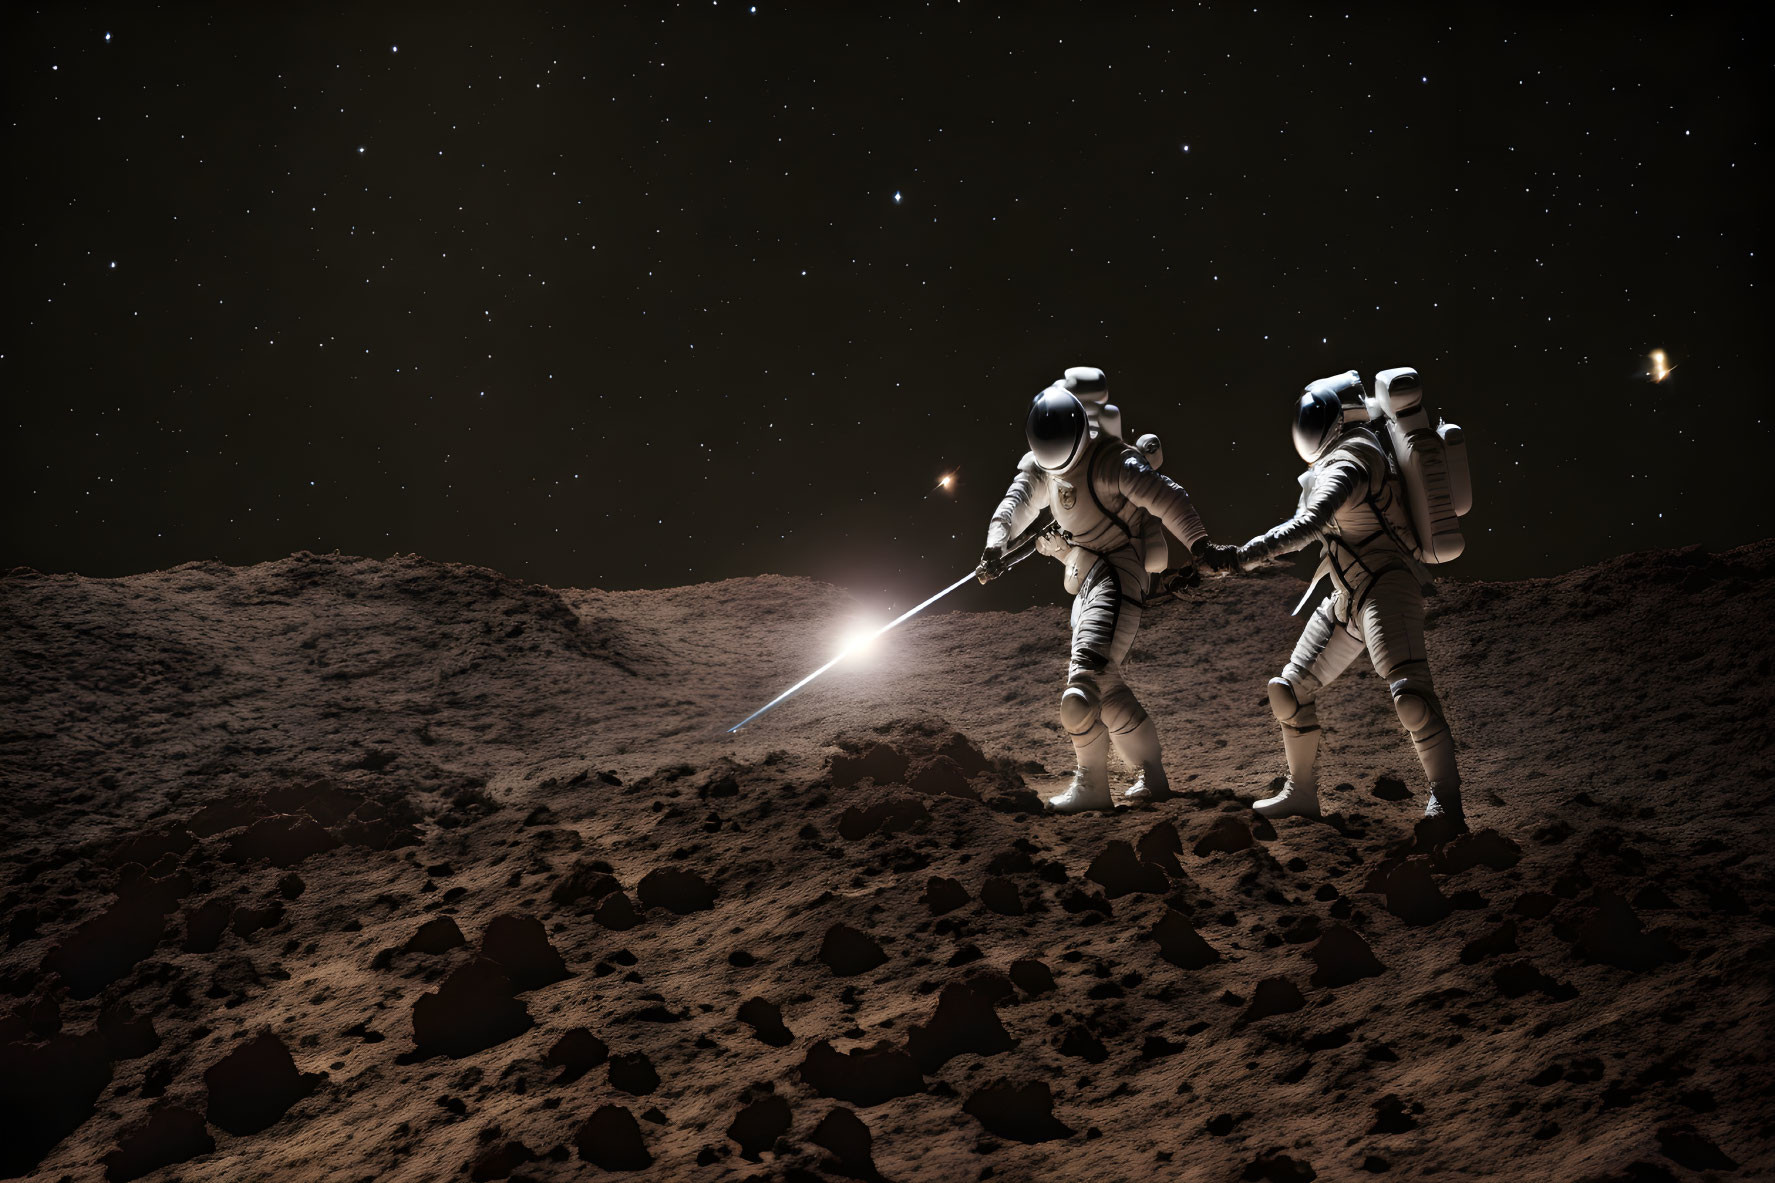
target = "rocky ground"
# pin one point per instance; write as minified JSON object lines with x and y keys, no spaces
{"x":390,"y":869}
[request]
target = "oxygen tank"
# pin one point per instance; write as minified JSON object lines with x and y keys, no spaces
{"x":1460,"y":481}
{"x":1425,"y":470}
{"x":1090,"y":386}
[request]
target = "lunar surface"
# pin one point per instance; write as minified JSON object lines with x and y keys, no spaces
{"x":344,"y":868}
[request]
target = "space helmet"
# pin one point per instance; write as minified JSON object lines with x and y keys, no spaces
{"x":1319,"y":412}
{"x":1057,"y":429}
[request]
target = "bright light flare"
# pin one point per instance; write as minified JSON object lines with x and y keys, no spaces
{"x":858,"y":641}
{"x":872,"y":634}
{"x":1660,"y":365}
{"x":945,"y":483}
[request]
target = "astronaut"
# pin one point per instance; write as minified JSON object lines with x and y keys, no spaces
{"x":1350,"y":503}
{"x":1100,"y":491}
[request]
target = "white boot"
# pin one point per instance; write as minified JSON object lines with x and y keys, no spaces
{"x":1089,"y":790}
{"x":1149,"y":787}
{"x":1444,"y":807}
{"x":1090,"y":784}
{"x":1293,"y":801}
{"x":1139,"y":749}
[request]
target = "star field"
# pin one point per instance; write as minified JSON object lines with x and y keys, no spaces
{"x":646,"y":295}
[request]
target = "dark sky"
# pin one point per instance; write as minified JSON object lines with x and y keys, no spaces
{"x":647,"y":295}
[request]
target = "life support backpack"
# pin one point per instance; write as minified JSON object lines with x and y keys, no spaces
{"x":1431,"y":463}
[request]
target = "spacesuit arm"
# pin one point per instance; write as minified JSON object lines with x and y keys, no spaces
{"x":1338,"y":484}
{"x":1025,"y":499}
{"x":1162,"y":497}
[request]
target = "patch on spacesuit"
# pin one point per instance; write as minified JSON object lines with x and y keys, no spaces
{"x":1066,"y":494}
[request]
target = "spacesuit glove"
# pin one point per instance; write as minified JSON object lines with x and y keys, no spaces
{"x":992,"y":562}
{"x":1216,"y":556}
{"x":1053,"y":545}
{"x":1178,"y":580}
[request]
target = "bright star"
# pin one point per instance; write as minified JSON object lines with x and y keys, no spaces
{"x":896,"y":197}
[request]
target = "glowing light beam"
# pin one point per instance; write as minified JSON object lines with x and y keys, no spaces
{"x":857,"y":642}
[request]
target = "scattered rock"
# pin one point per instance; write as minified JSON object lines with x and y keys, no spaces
{"x":1160,"y":846}
{"x":847,"y":952}
{"x":943,"y":895}
{"x":1687,"y":1147}
{"x":677,"y":891}
{"x":766,"y":1021}
{"x":584,"y":881}
{"x":499,"y":1162}
{"x":576,"y":1053}
{"x":1343,"y":957}
{"x":1021,"y":1112}
{"x":1277,"y":1167}
{"x":172,"y":1134}
{"x":1412,"y":895}
{"x":1273,"y":996}
{"x":999,"y":894}
{"x":254,"y":1085}
{"x":864,"y":1076}
{"x":474,"y":1009}
{"x":1157,"y":1047}
{"x":1390,"y":1116}
{"x":611,"y":1138}
{"x":283,"y":840}
{"x":521,"y":945}
{"x":634,"y":1074}
{"x":941,"y":776}
{"x":1488,"y":848}
{"x":895,"y":815}
{"x":1080,"y":1042}
{"x":878,"y":762}
{"x":1032,"y":976}
{"x":757,"y":1127}
{"x":246,"y":920}
{"x":964,"y":1021}
{"x":1180,"y":944}
{"x":437,"y":935}
{"x":205,"y":924}
{"x":617,"y":913}
{"x":1613,"y":935}
{"x":844,"y":1134}
{"x":1122,"y":873}
{"x":110,"y":944}
{"x":46,"y":1091}
{"x":1227,"y":834}
{"x":1390,"y":788}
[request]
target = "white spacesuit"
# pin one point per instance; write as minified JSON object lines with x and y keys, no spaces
{"x":1352,"y":503}
{"x":1100,"y":491}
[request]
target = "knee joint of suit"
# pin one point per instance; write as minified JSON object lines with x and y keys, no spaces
{"x":1415,"y":700}
{"x":1121,"y":711}
{"x":1290,"y":707}
{"x":1080,"y":706}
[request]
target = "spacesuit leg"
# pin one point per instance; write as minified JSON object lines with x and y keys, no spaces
{"x":1132,"y":732}
{"x":1325,"y":650}
{"x":1103,"y":623}
{"x":1393,"y":626}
